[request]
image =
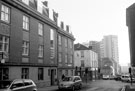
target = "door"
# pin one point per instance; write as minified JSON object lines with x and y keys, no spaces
{"x":52,"y":76}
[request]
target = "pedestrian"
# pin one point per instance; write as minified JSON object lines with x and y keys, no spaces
{"x":63,"y":76}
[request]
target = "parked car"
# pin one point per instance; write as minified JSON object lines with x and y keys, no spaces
{"x":105,"y":77}
{"x":125,"y":78}
{"x":17,"y":85}
{"x":133,"y":79}
{"x":118,"y":78}
{"x":70,"y":83}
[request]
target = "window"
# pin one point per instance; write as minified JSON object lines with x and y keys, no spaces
{"x":25,"y":73}
{"x":4,"y":73}
{"x":66,"y":42}
{"x":52,"y":38}
{"x":5,"y":13}
{"x":40,"y":29}
{"x":49,"y":72}
{"x":52,"y":43}
{"x":65,"y":58}
{"x":27,"y":82}
{"x":26,"y":1}
{"x":82,"y":53}
{"x":25,"y":23}
{"x":60,"y":72}
{"x":60,"y":57}
{"x":82,"y":63}
{"x":71,"y":72}
{"x":66,"y":72}
{"x":41,"y":49}
{"x":25,"y":47}
{"x":17,"y":84}
{"x":71,"y":59}
{"x":59,"y":40}
{"x":40,"y":74}
{"x":4,"y":43}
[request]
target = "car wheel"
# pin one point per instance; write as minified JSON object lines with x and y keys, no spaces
{"x":73,"y":88}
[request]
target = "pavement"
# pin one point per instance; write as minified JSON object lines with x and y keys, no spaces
{"x":129,"y":88}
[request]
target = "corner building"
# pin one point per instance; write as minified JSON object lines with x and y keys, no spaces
{"x":30,"y":41}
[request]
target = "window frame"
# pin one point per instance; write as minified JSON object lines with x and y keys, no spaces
{"x":41,"y":51}
{"x":40,"y":29}
{"x":26,"y":23}
{"x":5,"y":13}
{"x":25,"y":73}
{"x":60,"y":57}
{"x":41,"y":75}
{"x":25,"y":48}
{"x":4,"y":72}
{"x":4,"y":42}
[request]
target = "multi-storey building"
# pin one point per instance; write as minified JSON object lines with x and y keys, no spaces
{"x":29,"y":39}
{"x":65,"y":53}
{"x":130,"y":22}
{"x":109,"y":49}
{"x":84,"y":57}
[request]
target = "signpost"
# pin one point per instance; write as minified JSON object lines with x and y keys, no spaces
{"x":130,"y":72}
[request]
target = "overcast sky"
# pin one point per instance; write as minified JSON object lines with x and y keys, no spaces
{"x":92,"y":19}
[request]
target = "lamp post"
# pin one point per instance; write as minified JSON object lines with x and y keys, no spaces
{"x":76,"y":70}
{"x":80,"y":72}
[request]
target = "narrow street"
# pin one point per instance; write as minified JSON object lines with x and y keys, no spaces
{"x":105,"y":85}
{"x":101,"y":85}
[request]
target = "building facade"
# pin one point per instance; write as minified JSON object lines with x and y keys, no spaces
{"x":95,"y":46}
{"x":85,"y":58}
{"x":130,"y":21}
{"x":65,"y":53}
{"x":109,"y":49}
{"x":30,"y":41}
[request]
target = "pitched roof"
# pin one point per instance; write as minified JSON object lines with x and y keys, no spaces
{"x":80,"y":47}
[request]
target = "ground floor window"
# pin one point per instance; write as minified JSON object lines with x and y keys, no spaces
{"x":4,"y":73}
{"x":25,"y":73}
{"x":40,"y":74}
{"x":66,"y":72}
{"x":71,"y":72}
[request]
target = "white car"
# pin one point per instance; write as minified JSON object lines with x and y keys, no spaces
{"x":125,"y":78}
{"x":17,"y":85}
{"x":71,"y":83}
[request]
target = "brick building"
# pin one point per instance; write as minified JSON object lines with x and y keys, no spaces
{"x":30,"y":39}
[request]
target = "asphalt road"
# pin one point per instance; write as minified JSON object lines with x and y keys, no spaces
{"x":98,"y":85}
{"x":103,"y":85}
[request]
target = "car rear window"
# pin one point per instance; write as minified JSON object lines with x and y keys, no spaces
{"x":27,"y":83}
{"x":68,"y":79}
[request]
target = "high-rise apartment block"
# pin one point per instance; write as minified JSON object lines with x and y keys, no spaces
{"x":109,"y":49}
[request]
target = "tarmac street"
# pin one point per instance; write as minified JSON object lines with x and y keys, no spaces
{"x":97,"y":85}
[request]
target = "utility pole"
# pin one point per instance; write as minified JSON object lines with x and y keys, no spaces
{"x":130,"y":72}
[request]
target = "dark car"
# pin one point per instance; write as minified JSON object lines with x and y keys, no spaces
{"x":18,"y":85}
{"x":70,"y":83}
